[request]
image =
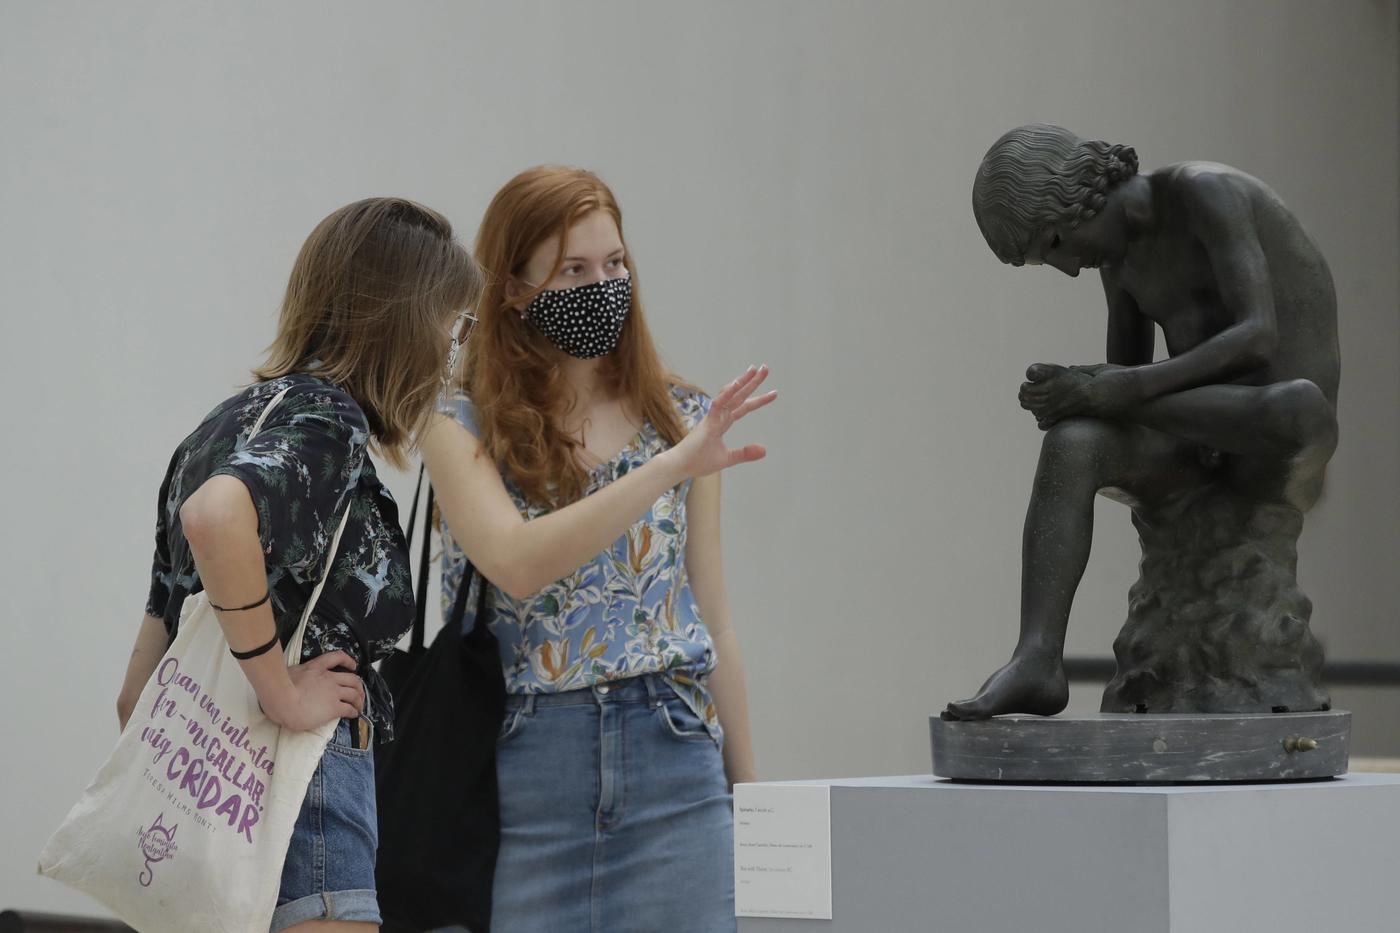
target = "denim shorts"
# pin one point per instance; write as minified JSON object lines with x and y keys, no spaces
{"x":329,"y":872}
{"x":615,"y":815}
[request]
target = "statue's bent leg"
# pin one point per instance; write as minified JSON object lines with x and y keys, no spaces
{"x":1078,"y":458}
{"x":1281,"y":420}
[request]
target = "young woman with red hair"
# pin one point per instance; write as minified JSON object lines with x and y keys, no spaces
{"x":583,"y":482}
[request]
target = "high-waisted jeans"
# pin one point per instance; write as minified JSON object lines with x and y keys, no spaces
{"x":615,"y":815}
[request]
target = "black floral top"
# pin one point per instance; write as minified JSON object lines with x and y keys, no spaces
{"x":307,"y":462}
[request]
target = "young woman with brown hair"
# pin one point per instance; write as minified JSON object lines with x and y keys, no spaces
{"x":370,"y":315}
{"x":582,"y":481}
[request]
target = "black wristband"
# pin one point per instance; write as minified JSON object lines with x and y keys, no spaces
{"x":260,"y":650}
{"x":266,"y":597}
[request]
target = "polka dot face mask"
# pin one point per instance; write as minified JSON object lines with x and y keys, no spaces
{"x":586,"y":321}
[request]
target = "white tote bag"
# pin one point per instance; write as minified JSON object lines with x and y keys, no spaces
{"x":187,"y":824}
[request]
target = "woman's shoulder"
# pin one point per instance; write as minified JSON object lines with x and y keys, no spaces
{"x":307,"y":402}
{"x":458,"y":406}
{"x":691,"y":402}
{"x":308,"y":397}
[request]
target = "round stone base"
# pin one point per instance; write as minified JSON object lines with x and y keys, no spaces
{"x":1148,"y":748}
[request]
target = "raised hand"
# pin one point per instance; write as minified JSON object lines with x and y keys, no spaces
{"x":703,"y":451}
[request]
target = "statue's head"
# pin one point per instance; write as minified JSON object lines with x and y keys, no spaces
{"x":1040,"y":182}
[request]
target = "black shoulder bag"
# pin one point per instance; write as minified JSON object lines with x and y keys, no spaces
{"x":439,"y":815}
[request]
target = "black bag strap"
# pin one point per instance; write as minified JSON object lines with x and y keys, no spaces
{"x":459,"y":605}
{"x":413,"y":512}
{"x":415,"y":643}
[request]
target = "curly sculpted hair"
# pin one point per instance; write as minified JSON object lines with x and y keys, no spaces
{"x":1041,"y":175}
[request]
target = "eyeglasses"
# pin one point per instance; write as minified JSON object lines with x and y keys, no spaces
{"x":461,"y":330}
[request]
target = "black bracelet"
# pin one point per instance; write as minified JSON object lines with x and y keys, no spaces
{"x":266,"y":597}
{"x":261,"y":649}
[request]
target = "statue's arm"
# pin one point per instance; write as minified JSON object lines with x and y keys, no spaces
{"x":1220,"y":218}
{"x":1131,"y":333}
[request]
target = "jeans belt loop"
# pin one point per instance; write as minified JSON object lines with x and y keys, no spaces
{"x":653,"y":698}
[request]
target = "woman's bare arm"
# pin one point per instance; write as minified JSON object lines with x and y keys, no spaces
{"x":523,"y":557}
{"x":705,"y":567}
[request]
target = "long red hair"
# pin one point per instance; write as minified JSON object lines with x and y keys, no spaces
{"x":514,"y":375}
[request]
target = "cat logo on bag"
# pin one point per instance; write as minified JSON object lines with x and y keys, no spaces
{"x":157,"y":844}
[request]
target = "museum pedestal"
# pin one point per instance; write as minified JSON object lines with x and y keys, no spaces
{"x":923,"y":854}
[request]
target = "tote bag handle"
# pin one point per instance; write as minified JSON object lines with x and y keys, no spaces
{"x":294,"y":645}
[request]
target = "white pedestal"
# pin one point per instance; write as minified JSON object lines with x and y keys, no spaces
{"x":922,"y":854}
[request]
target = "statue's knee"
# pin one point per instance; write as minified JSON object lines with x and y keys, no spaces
{"x":1298,"y":414}
{"x":1077,"y":440}
{"x":1078,"y":434}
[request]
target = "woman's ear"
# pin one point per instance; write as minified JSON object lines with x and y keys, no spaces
{"x":516,"y":291}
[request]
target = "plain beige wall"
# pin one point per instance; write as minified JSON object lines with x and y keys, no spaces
{"x":796,"y":179}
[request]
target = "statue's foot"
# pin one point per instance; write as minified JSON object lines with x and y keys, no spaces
{"x":1034,"y":685}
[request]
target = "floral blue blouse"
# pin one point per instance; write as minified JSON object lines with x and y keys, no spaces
{"x":627,"y":612}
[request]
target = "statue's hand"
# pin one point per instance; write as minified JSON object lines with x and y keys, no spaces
{"x":1053,"y":393}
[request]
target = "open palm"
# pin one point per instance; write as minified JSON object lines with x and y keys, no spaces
{"x":704,"y":451}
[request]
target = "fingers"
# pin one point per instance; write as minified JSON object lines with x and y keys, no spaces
{"x":754,"y":380}
{"x":726,"y":395}
{"x":746,"y":454}
{"x":728,"y":391}
{"x":353,"y":697}
{"x":349,"y":689}
{"x":740,"y":389}
{"x":324,"y":662}
{"x":754,"y":404}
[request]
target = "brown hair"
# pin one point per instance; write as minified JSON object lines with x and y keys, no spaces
{"x":365,"y":307}
{"x":513,"y":373}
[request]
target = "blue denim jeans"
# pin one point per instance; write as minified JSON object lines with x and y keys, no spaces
{"x":615,"y":815}
{"x":329,"y":871}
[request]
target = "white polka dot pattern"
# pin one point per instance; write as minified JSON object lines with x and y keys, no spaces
{"x":586,"y":321}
